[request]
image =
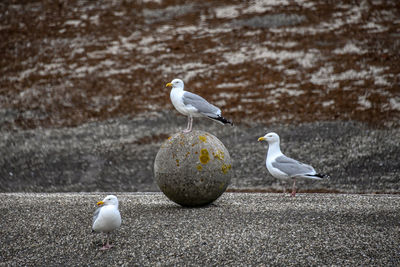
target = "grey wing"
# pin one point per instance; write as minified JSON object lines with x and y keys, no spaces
{"x":96,"y":215}
{"x":201,"y":105}
{"x":292,"y":167}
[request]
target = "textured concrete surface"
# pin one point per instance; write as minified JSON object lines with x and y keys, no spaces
{"x":237,"y":229}
{"x":193,"y":169}
{"x":118,"y":155}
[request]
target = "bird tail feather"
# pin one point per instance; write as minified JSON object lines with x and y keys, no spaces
{"x":221,"y":119}
{"x":318,"y":176}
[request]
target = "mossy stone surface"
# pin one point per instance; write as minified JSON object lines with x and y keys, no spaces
{"x":193,"y":169}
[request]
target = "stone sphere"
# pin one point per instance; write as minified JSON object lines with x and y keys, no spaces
{"x":193,"y":169}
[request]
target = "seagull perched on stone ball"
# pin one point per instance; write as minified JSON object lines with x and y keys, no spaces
{"x":285,"y":168}
{"x":107,"y":218}
{"x":192,"y":105}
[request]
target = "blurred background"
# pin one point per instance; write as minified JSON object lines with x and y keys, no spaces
{"x":83,"y":103}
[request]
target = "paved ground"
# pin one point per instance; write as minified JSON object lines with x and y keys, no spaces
{"x":238,"y":229}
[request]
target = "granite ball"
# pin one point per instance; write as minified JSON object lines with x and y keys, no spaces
{"x":193,"y":169}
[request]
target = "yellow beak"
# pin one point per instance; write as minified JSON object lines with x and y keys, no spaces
{"x":100,"y":203}
{"x":261,"y":138}
{"x":168,"y":84}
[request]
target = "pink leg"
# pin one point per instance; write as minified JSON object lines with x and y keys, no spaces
{"x":294,"y":188}
{"x":189,"y":126}
{"x":191,"y":123}
{"x":106,"y":246}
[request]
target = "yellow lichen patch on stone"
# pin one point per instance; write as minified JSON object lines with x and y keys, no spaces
{"x":199,"y":167}
{"x":203,"y":138}
{"x":204,"y":156}
{"x":219,"y":155}
{"x":225,"y":168}
{"x":204,"y":151}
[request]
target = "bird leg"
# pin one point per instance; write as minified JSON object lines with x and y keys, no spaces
{"x":191,"y":123}
{"x":107,"y":245}
{"x":294,"y":188}
{"x":189,"y":126}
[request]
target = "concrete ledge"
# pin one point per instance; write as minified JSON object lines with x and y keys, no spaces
{"x":238,"y":229}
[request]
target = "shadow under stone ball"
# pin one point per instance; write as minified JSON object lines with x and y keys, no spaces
{"x":193,"y":169}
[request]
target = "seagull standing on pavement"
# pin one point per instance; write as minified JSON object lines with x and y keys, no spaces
{"x":107,"y":218}
{"x":285,"y":168}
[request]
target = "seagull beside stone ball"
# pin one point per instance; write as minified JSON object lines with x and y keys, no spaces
{"x":285,"y":168}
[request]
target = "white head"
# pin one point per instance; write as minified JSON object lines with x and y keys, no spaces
{"x":176,"y":83}
{"x":271,"y":138}
{"x":109,"y":200}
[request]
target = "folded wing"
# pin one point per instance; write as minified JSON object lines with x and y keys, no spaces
{"x":201,"y":105}
{"x":294,"y":168}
